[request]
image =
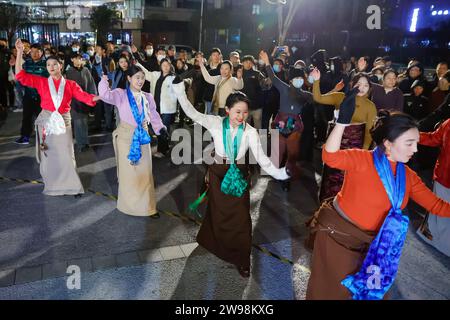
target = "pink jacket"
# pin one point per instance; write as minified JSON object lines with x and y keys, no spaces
{"x":119,"y":98}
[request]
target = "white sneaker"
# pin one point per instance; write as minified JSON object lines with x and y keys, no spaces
{"x":18,"y":110}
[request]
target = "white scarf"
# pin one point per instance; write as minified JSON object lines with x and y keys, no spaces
{"x":138,"y":98}
{"x":55,"y":124}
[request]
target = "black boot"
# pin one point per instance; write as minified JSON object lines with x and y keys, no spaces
{"x":285,"y":185}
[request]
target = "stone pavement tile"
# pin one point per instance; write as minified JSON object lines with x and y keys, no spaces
{"x":104,"y":262}
{"x":188,"y":248}
{"x":127,"y":259}
{"x":85,"y":264}
{"x":170,"y":253}
{"x":150,"y":256}
{"x":54,"y":270}
{"x":7,"y":277}
{"x":28,"y":274}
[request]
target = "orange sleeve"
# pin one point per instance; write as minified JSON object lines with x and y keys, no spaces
{"x":426,"y":198}
{"x":350,"y":159}
{"x":434,"y":139}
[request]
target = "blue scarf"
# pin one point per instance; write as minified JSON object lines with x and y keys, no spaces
{"x":140,"y":135}
{"x":233,"y":182}
{"x":378,"y":271}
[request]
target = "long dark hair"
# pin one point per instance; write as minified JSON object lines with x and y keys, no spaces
{"x":172,"y":69}
{"x":390,"y":125}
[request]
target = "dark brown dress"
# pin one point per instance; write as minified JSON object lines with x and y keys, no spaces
{"x":339,"y":250}
{"x":226,"y":230}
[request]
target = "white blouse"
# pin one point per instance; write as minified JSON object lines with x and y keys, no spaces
{"x":250,"y":137}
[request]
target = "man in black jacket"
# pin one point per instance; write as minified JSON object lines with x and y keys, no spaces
{"x":254,"y":81}
{"x":80,"y":111}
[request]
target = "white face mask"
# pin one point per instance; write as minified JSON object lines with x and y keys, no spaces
{"x":90,"y":53}
{"x":380,"y":77}
{"x":47,"y":55}
{"x":160,"y":57}
{"x":75,"y":49}
{"x":149,"y":52}
{"x":261,"y":62}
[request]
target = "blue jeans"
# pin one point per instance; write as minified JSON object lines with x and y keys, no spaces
{"x":167,"y":119}
{"x":208,"y":107}
{"x":80,"y":128}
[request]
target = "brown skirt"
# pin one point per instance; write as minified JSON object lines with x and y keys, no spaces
{"x":136,"y":188}
{"x":226,"y":230}
{"x":339,"y":250}
{"x":57,"y":164}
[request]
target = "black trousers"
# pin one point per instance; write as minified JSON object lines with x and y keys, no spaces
{"x":31,"y":107}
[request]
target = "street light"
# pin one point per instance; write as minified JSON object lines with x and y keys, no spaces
{"x":201,"y":27}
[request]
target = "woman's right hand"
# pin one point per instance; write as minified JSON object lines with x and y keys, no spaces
{"x":19,"y":45}
{"x":200,"y":60}
{"x":105,"y":77}
{"x":315,"y":74}
{"x":264,"y":57}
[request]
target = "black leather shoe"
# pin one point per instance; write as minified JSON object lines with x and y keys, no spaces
{"x":77,"y":196}
{"x":155,"y":216}
{"x":286,"y":185}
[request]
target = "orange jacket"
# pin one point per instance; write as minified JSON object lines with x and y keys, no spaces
{"x":363,"y":197}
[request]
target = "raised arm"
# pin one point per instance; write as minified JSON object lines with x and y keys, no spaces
{"x":208,"y":78}
{"x":347,"y":108}
{"x":263,"y":160}
{"x":26,"y":79}
{"x":334,"y":98}
{"x":207,"y":121}
{"x":277,"y":82}
{"x":107,"y":95}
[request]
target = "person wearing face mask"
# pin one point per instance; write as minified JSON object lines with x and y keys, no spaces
{"x":273,"y":95}
{"x":137,"y":109}
{"x":149,"y":62}
{"x":254,"y":83}
{"x":288,"y":120}
{"x":413,"y":73}
{"x":387,"y":95}
{"x":213,"y":68}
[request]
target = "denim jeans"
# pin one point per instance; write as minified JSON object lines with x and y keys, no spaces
{"x":80,"y":127}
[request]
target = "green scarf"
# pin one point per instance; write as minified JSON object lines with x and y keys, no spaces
{"x":233,"y":182}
